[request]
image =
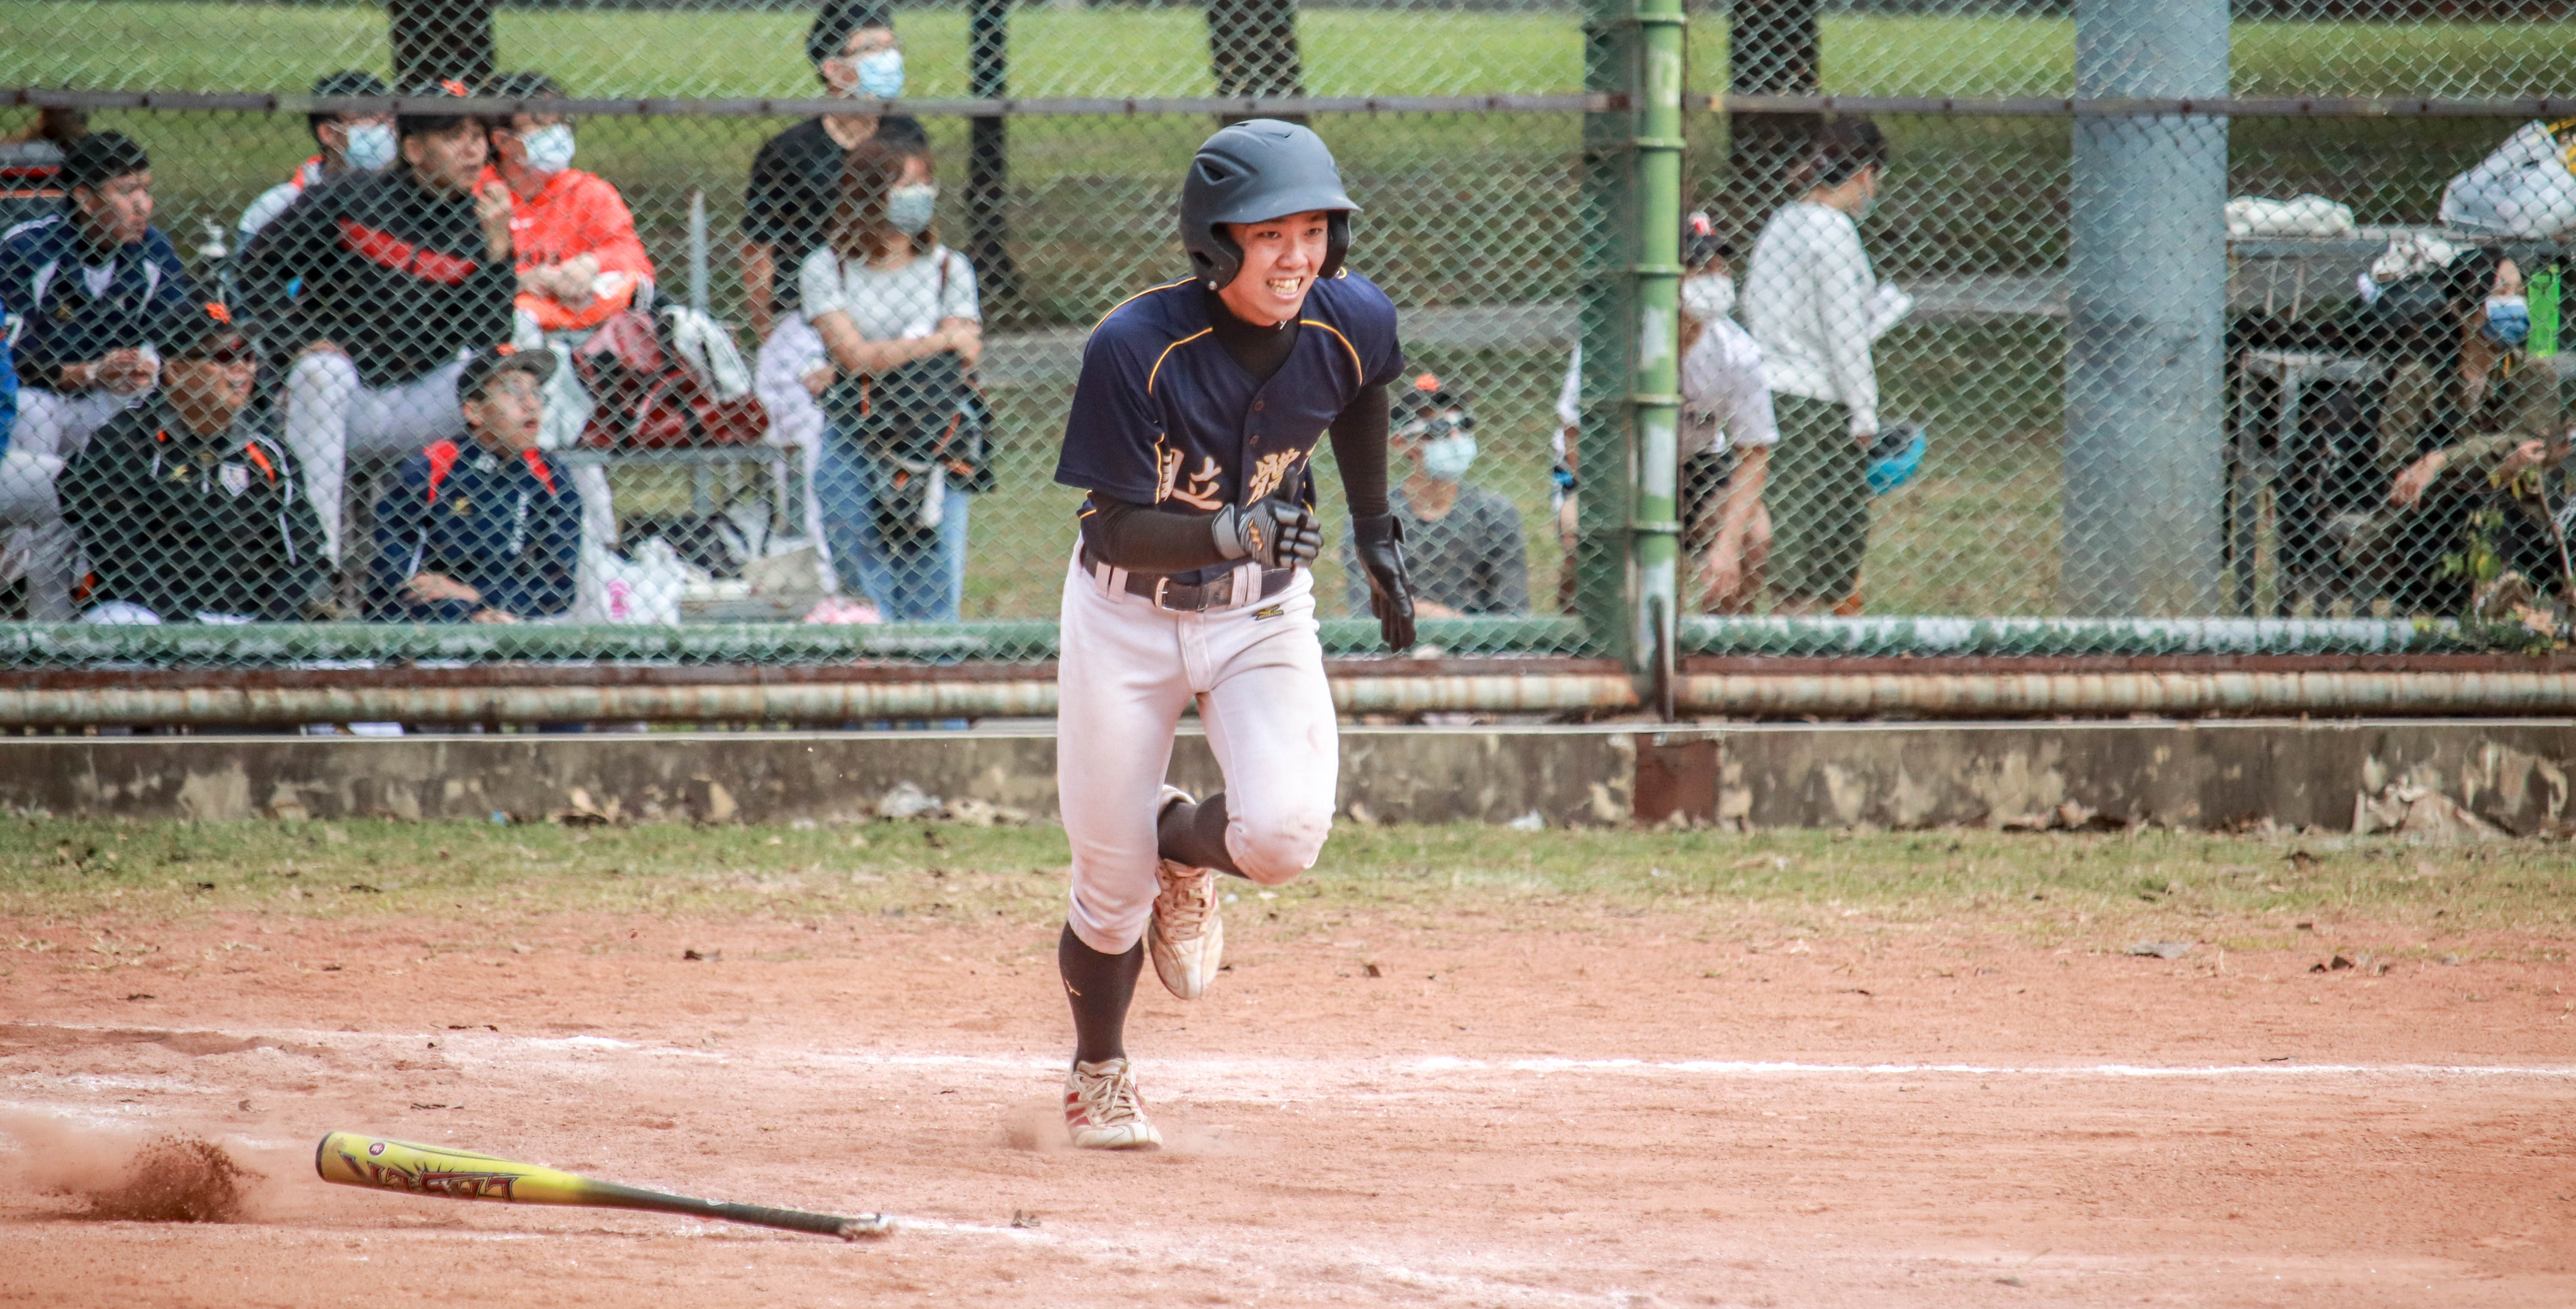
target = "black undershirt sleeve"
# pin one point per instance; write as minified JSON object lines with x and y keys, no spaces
{"x":1147,"y":540}
{"x":1359,"y":448}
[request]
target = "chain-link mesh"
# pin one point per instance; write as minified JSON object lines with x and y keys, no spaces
{"x":2017,"y":363}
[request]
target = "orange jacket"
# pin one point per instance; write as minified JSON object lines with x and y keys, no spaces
{"x":576,"y":214}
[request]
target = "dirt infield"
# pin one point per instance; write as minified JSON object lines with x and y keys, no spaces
{"x":1453,"y":1102}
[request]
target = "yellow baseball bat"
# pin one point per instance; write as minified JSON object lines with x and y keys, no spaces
{"x":351,"y":1159}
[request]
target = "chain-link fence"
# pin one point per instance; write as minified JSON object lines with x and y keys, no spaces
{"x":2129,"y":312}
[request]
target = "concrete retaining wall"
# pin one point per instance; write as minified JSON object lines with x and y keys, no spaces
{"x":2511,"y":773}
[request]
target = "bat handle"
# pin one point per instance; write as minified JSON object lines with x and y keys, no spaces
{"x":798,"y":1220}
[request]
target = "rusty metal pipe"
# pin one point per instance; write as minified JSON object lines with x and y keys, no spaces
{"x":1748,"y":695}
{"x":2164,"y":694}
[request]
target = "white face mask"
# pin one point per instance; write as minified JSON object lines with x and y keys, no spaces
{"x":1448,"y":458}
{"x":1708,"y":297}
{"x":909,"y":208}
{"x":548,"y":149}
{"x":370,"y":145}
{"x":880,"y":74}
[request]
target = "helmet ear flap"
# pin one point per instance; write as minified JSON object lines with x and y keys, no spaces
{"x":1337,"y":243}
{"x":1217,"y":264}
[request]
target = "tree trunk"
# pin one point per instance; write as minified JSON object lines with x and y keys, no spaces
{"x":440,"y":40}
{"x":1252,"y":49}
{"x":1771,"y":51}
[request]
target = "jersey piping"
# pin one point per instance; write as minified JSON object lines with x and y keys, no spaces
{"x":1139,"y":296}
{"x":1357,"y":367}
{"x":1157,"y":369}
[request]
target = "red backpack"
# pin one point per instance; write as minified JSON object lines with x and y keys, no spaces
{"x":648,"y":398}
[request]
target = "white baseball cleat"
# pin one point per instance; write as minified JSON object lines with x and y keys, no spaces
{"x":1102,"y":1111}
{"x":1186,"y":936}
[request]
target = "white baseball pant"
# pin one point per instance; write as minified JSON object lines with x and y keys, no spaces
{"x":333,"y":418}
{"x":1126,"y":672}
{"x":793,"y":349}
{"x":51,"y":428}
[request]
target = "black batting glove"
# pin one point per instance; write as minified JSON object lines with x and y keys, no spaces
{"x":1276,"y":533}
{"x":1381,"y":549}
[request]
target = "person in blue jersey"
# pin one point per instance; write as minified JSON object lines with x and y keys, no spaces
{"x":1192,"y":435}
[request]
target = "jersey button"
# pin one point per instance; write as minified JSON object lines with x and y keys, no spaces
{"x":1256,"y":406}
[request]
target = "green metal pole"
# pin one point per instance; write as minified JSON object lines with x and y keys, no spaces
{"x":1654,"y":525}
{"x":1606,"y":232}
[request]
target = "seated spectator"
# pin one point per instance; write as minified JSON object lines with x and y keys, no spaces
{"x":2465,"y":432}
{"x":483,"y":531}
{"x":579,"y":261}
{"x":182,"y":510}
{"x":1462,"y":542}
{"x":377,"y":285}
{"x":885,"y":294}
{"x":89,"y":286}
{"x":578,"y":257}
{"x":795,"y":190}
{"x":1726,"y":436}
{"x":361,"y":142}
{"x":2474,"y":528}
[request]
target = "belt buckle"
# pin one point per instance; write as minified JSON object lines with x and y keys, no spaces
{"x":1162,"y":583}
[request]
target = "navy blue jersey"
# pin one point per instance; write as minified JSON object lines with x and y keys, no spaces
{"x":71,"y":312}
{"x":506,"y":527}
{"x":1164,"y":416}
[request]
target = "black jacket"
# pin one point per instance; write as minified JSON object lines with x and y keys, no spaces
{"x":182,"y":524}
{"x":388,"y":270}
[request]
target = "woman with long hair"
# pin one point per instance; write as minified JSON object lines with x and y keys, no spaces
{"x":884,"y":294}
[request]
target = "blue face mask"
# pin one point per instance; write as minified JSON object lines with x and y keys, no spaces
{"x":880,"y":74}
{"x":2508,"y":319}
{"x":1448,"y":458}
{"x":909,"y":208}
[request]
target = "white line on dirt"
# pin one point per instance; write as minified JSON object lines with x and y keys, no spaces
{"x":1290,"y":1071}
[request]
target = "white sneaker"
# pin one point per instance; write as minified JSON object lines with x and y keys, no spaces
{"x":1102,"y":1111}
{"x":1186,"y":936}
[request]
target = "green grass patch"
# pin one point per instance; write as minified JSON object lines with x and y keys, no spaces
{"x":2101,"y":890}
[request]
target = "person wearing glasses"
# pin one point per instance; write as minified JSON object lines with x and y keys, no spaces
{"x":185,"y":511}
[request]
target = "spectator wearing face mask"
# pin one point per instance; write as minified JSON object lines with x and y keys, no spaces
{"x":182,"y":508}
{"x":1815,"y":306}
{"x":886,"y":293}
{"x":1727,"y":432}
{"x":356,"y":142}
{"x":1462,"y":543}
{"x":574,"y":240}
{"x":2472,"y":440}
{"x":788,"y":208}
{"x":482,"y":530}
{"x":89,"y":287}
{"x":579,"y":262}
{"x":379,"y":284}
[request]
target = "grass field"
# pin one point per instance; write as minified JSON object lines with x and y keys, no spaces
{"x":1162,"y":51}
{"x":1459,"y":1067}
{"x":2053,"y":890}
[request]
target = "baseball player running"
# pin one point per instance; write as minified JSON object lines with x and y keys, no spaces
{"x":1193,"y":427}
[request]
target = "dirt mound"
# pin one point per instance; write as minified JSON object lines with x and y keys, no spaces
{"x":176,"y":1178}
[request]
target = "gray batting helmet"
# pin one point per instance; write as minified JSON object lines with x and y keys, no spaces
{"x":1256,"y":169}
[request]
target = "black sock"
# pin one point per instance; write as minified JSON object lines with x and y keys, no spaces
{"x":1194,"y":834}
{"x":1100,"y":987}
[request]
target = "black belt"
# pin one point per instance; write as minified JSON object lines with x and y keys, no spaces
{"x":1190,"y":597}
